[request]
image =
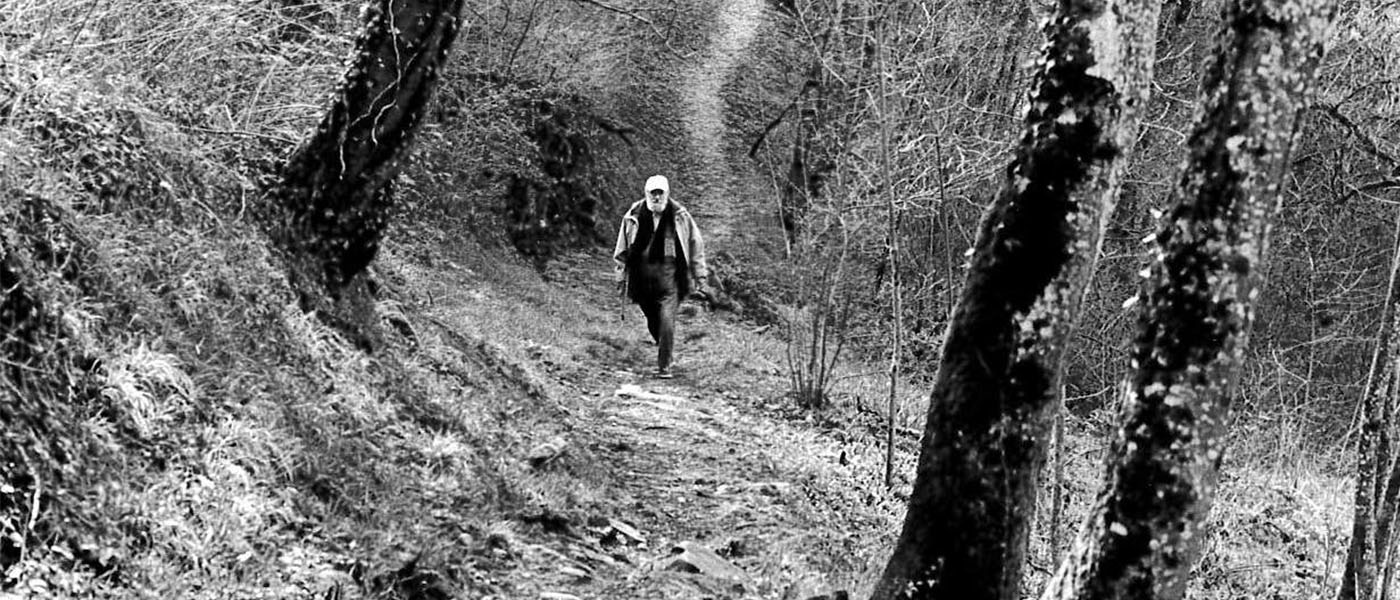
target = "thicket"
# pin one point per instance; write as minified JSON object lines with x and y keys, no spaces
{"x":562,"y":109}
{"x":953,"y":78}
{"x":1323,"y":286}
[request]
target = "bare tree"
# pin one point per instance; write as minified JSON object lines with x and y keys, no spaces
{"x":334,"y":192}
{"x":966,"y":531}
{"x":892,"y":227}
{"x":1146,"y":528}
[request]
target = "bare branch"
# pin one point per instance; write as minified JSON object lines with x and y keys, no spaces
{"x":1367,"y":143}
{"x":618,"y":10}
{"x":233,"y":132}
{"x":753,"y":149}
{"x":665,"y":39}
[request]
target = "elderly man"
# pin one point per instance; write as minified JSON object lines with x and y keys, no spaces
{"x":659,"y":254}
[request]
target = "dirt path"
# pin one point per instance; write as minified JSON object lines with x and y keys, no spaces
{"x":711,"y":467}
{"x":726,"y":502}
{"x":703,"y":486}
{"x":702,"y":110}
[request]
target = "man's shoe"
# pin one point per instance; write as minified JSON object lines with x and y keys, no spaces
{"x":664,"y":374}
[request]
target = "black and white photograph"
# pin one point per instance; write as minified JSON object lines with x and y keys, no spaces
{"x":699,"y":300}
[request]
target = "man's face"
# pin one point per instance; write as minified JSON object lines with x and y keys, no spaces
{"x":656,"y":200}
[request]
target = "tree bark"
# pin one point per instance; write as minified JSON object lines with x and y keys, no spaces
{"x":334,"y":192}
{"x":1146,"y":528}
{"x":966,"y":530}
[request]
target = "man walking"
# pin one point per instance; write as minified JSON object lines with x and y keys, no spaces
{"x":659,"y":253}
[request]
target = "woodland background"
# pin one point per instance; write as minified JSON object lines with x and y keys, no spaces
{"x":175,"y":426}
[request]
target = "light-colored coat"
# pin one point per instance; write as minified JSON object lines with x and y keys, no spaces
{"x":692,"y":246}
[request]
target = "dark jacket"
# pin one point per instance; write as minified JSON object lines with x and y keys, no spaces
{"x":692,"y":246}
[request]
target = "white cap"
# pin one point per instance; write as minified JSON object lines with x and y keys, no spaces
{"x":658,"y":182}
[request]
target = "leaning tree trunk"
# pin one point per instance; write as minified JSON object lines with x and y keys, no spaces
{"x":966,"y":531}
{"x":1146,"y":527}
{"x":334,"y":193}
{"x":1368,"y":525}
{"x":1384,"y":539}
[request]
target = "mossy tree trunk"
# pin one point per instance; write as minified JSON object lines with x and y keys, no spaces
{"x":334,"y":193}
{"x":1146,"y":527}
{"x":966,"y":530}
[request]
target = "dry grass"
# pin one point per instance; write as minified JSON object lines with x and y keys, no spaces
{"x":253,"y":453}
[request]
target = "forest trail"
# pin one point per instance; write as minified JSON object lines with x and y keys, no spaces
{"x":702,"y":112}
{"x":713,"y":485}
{"x":714,"y":467}
{"x":710,"y":485}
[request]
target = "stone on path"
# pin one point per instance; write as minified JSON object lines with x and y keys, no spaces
{"x":630,"y":390}
{"x":576,"y":572}
{"x":546,"y":451}
{"x":695,"y":558}
{"x":627,"y":531}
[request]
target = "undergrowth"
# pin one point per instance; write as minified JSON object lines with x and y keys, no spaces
{"x":174,"y":426}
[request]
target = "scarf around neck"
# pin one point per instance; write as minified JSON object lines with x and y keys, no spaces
{"x":648,"y":245}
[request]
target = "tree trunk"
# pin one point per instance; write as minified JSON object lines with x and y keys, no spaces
{"x":803,"y":184}
{"x":334,"y":193}
{"x":1384,"y":537}
{"x":1146,"y":528}
{"x":1057,"y":478}
{"x":892,"y":230}
{"x":966,"y":530}
{"x":1358,"y":575}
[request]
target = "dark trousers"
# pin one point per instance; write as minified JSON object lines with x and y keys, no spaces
{"x":659,"y":300}
{"x":661,"y":322}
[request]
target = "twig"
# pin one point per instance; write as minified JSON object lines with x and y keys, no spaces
{"x":33,"y":510}
{"x":618,"y":129}
{"x":524,"y":33}
{"x":618,"y":10}
{"x":254,"y":134}
{"x":1367,"y":144}
{"x":72,"y":38}
{"x":665,"y":39}
{"x":1057,"y":502}
{"x":33,"y":506}
{"x":1366,"y":189}
{"x":753,"y":149}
